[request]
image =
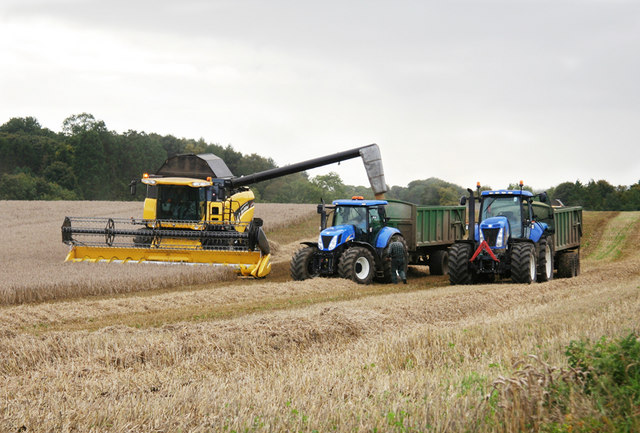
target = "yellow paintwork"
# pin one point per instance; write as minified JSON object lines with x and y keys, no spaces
{"x":247,"y":262}
{"x":170,"y":250}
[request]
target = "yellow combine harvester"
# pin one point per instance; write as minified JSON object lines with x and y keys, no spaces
{"x":196,"y":212}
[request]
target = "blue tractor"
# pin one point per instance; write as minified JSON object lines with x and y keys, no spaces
{"x":355,"y":246}
{"x":515,"y":237}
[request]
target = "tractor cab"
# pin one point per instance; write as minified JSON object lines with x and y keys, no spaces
{"x":353,"y":220}
{"x":507,"y":214}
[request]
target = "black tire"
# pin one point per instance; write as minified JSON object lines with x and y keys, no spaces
{"x":439,"y":262}
{"x":545,"y":260}
{"x":357,"y":264}
{"x":301,"y":266}
{"x":567,"y":265}
{"x":460,"y":271}
{"x":576,"y":266}
{"x":386,"y":264}
{"x":524,"y":268}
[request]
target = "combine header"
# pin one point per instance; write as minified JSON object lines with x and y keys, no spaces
{"x":197,"y":212}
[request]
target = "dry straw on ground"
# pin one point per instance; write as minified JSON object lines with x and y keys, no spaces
{"x":421,"y":359}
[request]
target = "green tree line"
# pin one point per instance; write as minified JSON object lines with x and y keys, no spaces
{"x":87,"y":161}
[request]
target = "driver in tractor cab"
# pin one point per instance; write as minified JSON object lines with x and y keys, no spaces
{"x":358,"y":219}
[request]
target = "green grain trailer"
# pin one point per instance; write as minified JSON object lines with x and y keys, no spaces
{"x":566,"y":224}
{"x":428,"y":230}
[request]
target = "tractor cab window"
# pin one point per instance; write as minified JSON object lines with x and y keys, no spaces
{"x":182,"y":203}
{"x":352,"y":215}
{"x":506,"y":206}
{"x":375,"y":219}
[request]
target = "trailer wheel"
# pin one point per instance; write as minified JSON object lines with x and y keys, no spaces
{"x":439,"y":262}
{"x":523,"y":263}
{"x":568,"y":265}
{"x":357,"y":264}
{"x":301,"y":266}
{"x":460,"y":271}
{"x":545,"y":260}
{"x":386,"y":264}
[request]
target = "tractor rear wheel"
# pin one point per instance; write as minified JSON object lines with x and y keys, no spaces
{"x":301,"y":266}
{"x":545,"y":260}
{"x":439,"y":262}
{"x":523,"y":263}
{"x":357,"y":264}
{"x":386,"y":264}
{"x":460,"y":271}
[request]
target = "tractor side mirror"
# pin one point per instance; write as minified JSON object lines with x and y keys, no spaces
{"x":320,"y":208}
{"x":463,"y":201}
{"x":132,"y":186}
{"x":543,"y":197}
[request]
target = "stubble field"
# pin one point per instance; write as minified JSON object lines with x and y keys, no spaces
{"x":117,"y":348}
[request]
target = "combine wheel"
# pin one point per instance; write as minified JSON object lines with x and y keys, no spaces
{"x":523,"y":263}
{"x":460,"y":271}
{"x":545,"y":260}
{"x":439,"y":262}
{"x":301,"y":267}
{"x":386,"y":264}
{"x":357,"y":264}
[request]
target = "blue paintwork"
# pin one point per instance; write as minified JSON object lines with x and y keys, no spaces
{"x":536,"y":230}
{"x":347,"y":231}
{"x":533,"y":232}
{"x":360,"y":202}
{"x":385,"y":234}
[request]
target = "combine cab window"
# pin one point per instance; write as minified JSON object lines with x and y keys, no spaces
{"x":182,"y":203}
{"x":506,"y":206}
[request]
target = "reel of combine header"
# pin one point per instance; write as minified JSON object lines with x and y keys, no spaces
{"x":121,"y":240}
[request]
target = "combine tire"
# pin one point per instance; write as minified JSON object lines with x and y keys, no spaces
{"x":301,"y":267}
{"x":523,"y":263}
{"x":569,"y":265}
{"x":439,"y":263}
{"x":386,"y":264}
{"x":460,"y":271}
{"x":545,"y":260}
{"x":357,"y":264}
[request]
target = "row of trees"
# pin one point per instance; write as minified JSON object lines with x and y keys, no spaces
{"x":87,"y":161}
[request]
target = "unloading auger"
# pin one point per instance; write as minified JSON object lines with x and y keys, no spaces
{"x":197,"y":212}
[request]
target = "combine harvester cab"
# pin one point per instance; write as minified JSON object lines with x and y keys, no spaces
{"x":195,"y":212}
{"x":518,"y":236}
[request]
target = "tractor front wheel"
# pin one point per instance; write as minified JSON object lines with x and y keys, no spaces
{"x":301,"y":266}
{"x":523,"y":263}
{"x":460,"y":271}
{"x":357,"y":264}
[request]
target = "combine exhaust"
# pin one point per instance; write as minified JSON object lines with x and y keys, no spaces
{"x":196,"y":212}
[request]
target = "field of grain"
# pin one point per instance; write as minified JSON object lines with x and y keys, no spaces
{"x":319,"y":355}
{"x":32,"y":252}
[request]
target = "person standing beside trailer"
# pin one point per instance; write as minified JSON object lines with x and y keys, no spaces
{"x":397,"y":256}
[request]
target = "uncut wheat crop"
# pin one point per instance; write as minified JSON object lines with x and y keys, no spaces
{"x":32,"y":253}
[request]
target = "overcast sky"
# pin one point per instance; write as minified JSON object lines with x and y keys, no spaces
{"x":466,"y":91}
